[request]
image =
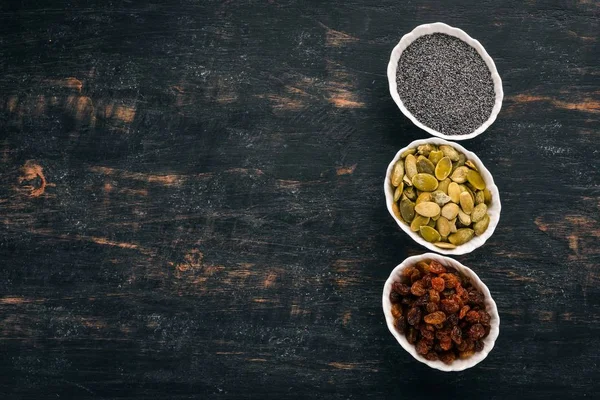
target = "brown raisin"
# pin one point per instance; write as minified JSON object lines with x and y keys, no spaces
{"x":431,"y":356}
{"x":463,"y":312}
{"x":414,"y":316}
{"x":450,"y":280}
{"x":437,"y":317}
{"x":395,"y":297}
{"x":411,"y":335}
{"x":437,"y":348}
{"x":417,"y":288}
{"x":408,"y":271}
{"x":415,"y":276}
{"x":407,"y":301}
{"x":484,"y":318}
{"x":456,"y":335}
{"x":401,"y":288}
{"x":478,"y":345}
{"x":438,"y":284}
{"x":446,"y":344}
{"x":475,"y":297}
{"x":431,"y":307}
{"x":462,"y":346}
{"x":465,"y":354}
{"x":449,"y":306}
{"x":462,"y":293}
{"x":426,"y":333}
{"x":439,"y":326}
{"x":436,"y":268}
{"x":472,"y":317}
{"x":470,"y":344}
{"x":447,"y":293}
{"x":401,"y":323}
{"x":396,"y":310}
{"x":452,"y":319}
{"x":476,"y":331}
{"x":447,"y":357}
{"x":422,"y":347}
{"x":421,"y":301}
{"x":426,"y":281}
{"x":443,"y":334}
{"x":423,"y":267}
{"x":434,"y":296}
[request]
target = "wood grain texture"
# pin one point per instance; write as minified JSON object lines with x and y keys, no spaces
{"x":191,"y":199}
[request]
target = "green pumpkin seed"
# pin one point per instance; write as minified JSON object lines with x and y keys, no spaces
{"x":465,"y":188}
{"x":398,"y":192}
{"x":431,"y":223}
{"x":475,"y":179}
{"x":454,"y":192}
{"x":479,"y":212}
{"x":444,"y":245}
{"x":410,"y":166}
{"x":398,"y":173}
{"x":440,"y":198}
{"x":425,"y":182}
{"x":443,"y":226}
{"x":427,"y":209}
{"x":481,"y":226}
{"x":407,"y":152}
{"x":443,"y":168}
{"x":479,"y":197}
{"x":461,"y":236}
{"x":466,"y":202}
{"x":450,"y":211}
{"x":464,"y":218}
{"x":425,"y":196}
{"x":430,"y":234}
{"x":436,"y":156}
{"x":471,"y":165}
{"x":410,"y":193}
{"x":459,"y":163}
{"x":425,"y":149}
{"x":425,"y":166}
{"x":435,"y":218}
{"x":418,"y":222}
{"x":487,"y":195}
{"x":407,"y":209}
{"x":460,"y":175}
{"x":443,"y":186}
{"x":396,"y":211}
{"x":450,"y":152}
{"x":407,"y":181}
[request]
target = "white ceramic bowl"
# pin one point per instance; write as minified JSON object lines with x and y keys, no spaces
{"x":439,"y":27}
{"x":490,"y":306}
{"x":493,"y":209}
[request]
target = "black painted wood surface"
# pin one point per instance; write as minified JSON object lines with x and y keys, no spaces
{"x":191,"y":199}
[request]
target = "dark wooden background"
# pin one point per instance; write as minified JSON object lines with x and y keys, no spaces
{"x":191,"y":200}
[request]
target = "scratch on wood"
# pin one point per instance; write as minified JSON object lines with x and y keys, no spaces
{"x":585,"y":38}
{"x":82,"y":107}
{"x":256,"y":359}
{"x":346,"y":318}
{"x":587,"y":105}
{"x":351,"y":366}
{"x":335,"y":38}
{"x":107,"y":242}
{"x":546,"y":316}
{"x":340,"y":87}
{"x":345,"y":170}
{"x":18,"y":300}
{"x":296,"y":310}
{"x":11,"y":103}
{"x":166,"y":180}
{"x":270,"y":280}
{"x":30,"y":172}
{"x":227,"y":353}
{"x":70,"y":82}
{"x":520,"y":278}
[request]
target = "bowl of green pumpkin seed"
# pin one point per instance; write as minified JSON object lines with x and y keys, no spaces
{"x":442,"y":196}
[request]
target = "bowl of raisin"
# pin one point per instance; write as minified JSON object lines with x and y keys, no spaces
{"x":440,"y":312}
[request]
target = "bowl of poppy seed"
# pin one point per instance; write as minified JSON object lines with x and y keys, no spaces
{"x":440,"y":312}
{"x":445,"y":82}
{"x":442,"y":196}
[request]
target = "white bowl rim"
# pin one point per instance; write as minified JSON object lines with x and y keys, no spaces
{"x":440,"y":27}
{"x":494,"y":208}
{"x":491,"y":308}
